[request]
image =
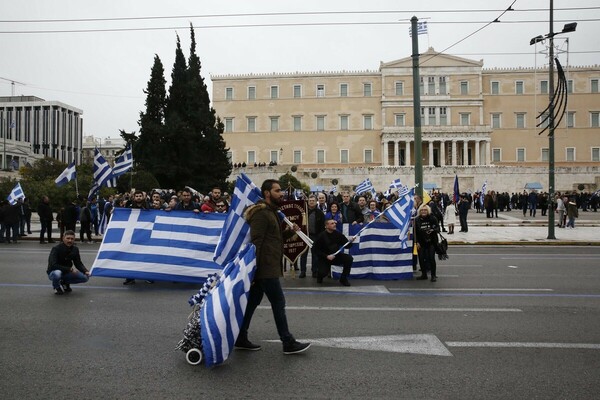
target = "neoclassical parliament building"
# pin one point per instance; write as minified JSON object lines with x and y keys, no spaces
{"x":475,"y":121}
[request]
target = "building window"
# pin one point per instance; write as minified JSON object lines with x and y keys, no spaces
{"x":320,"y":90}
{"x":594,"y":85}
{"x":570,"y":153}
{"x":343,"y":89}
{"x":544,"y":120}
{"x":251,"y":124}
{"x":344,"y":156}
{"x":443,"y":116}
{"x":595,"y":119}
{"x":368,"y":159}
{"x":495,"y":87}
{"x":442,"y":83}
{"x":570,"y":86}
{"x":431,"y":85}
{"x":274,"y":92}
{"x":320,"y":156}
{"x":496,"y":155}
{"x":422,"y":116}
{"x":297,"y":91}
{"x":228,"y":124}
{"x":496,"y":121}
{"x":464,"y":87}
{"x":320,"y":122}
{"x":274,"y":124}
{"x":367,"y":122}
{"x":297,"y":123}
{"x":431,"y":116}
{"x":251,"y":93}
{"x":229,"y":93}
{"x":251,"y":157}
{"x":400,"y":119}
{"x":544,"y":87}
{"x":422,"y":86}
{"x":399,"y":88}
{"x":545,"y":154}
{"x":229,"y":156}
{"x":367,"y":90}
{"x":595,"y":153}
{"x":297,"y":157}
{"x":344,"y":124}
{"x":570,"y":119}
{"x":520,"y":120}
{"x":519,"y":88}
{"x":274,"y":156}
{"x":465,"y":119}
{"x":521,"y":155}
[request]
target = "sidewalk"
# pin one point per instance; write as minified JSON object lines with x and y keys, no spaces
{"x":508,"y":228}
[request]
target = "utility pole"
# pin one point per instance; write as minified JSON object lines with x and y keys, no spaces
{"x":551,"y":126}
{"x":417,"y":108}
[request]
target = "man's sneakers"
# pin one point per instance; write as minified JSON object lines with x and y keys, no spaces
{"x":58,"y":290}
{"x":129,"y":281}
{"x":245,"y":344}
{"x":295,"y":347}
{"x":344,"y":281}
{"x":66,"y":288}
{"x":302,"y":275}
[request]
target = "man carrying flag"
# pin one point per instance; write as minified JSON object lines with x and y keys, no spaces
{"x":266,"y":235}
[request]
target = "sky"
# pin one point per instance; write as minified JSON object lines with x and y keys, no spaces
{"x":97,"y":55}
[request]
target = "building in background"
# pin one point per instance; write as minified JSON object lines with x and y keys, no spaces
{"x":32,"y":128}
{"x":107,"y":146}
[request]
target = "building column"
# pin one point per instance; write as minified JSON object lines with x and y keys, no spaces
{"x":454,"y":164}
{"x":384,"y":162}
{"x":407,"y":153}
{"x":431,"y":153}
{"x":442,"y":153}
{"x":477,"y":152}
{"x":488,"y":152}
{"x":396,"y":153}
{"x":465,"y":152}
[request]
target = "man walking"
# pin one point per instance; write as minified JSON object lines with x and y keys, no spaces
{"x":266,"y":235}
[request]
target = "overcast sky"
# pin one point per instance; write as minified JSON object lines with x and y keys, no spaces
{"x":105,"y":72}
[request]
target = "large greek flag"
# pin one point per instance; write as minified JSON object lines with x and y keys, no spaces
{"x":175,"y":246}
{"x":224,"y":307}
{"x":400,"y":212}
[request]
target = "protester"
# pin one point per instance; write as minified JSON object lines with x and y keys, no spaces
{"x":450,"y":217}
{"x":315,"y":222}
{"x":45,"y":213}
{"x":572,"y":213}
{"x":426,"y":231}
{"x":326,"y":244}
{"x":65,"y":266}
{"x":334,"y":214}
{"x":266,"y":235}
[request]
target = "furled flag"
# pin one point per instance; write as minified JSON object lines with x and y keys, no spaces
{"x":456,"y":195}
{"x":483,"y":189}
{"x":421,"y":28}
{"x":236,"y":231}
{"x":365,"y":186}
{"x":224,"y":307}
{"x":399,"y":213}
{"x":67,"y":175}
{"x":123,"y":163}
{"x":16,"y":194}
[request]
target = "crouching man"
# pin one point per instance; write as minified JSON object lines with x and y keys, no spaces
{"x":65,"y":266}
{"x":327,"y":243}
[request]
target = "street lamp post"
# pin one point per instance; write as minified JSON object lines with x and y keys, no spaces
{"x":551,"y":117}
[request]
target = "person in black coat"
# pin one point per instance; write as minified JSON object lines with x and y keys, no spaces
{"x":327,"y":243}
{"x":316,"y":225}
{"x":65,"y":266}
{"x":351,"y":212}
{"x":45,"y":212}
{"x":426,"y":230}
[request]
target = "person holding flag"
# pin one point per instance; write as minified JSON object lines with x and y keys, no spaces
{"x":267,"y":236}
{"x":326,"y":247}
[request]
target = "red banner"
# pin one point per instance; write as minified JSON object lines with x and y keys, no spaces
{"x":295,"y":211}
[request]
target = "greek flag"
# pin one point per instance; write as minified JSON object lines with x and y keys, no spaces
{"x":395,"y":185}
{"x":67,"y":175}
{"x":174,"y":246}
{"x":224,"y":307}
{"x":123,"y":163}
{"x":483,"y":189}
{"x":16,"y":194}
{"x":365,"y":186}
{"x":103,"y":174}
{"x":236,"y":231}
{"x":421,"y":28}
{"x":399,"y":213}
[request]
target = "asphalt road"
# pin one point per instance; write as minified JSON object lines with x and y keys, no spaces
{"x":501,"y":322}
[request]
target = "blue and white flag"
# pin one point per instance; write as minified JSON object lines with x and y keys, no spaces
{"x":421,"y":28}
{"x":67,"y":175}
{"x":483,"y":189}
{"x":174,"y":246}
{"x":395,"y":185}
{"x":365,"y":186}
{"x":123,"y":163}
{"x":236,"y":231}
{"x":16,"y":194}
{"x":399,"y":214}
{"x":222,"y":314}
{"x":103,"y":174}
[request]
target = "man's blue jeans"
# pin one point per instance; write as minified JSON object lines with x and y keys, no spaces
{"x":57,"y":276}
{"x":272,"y":288}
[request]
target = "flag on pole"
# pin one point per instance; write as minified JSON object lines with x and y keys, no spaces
{"x":103,"y":174}
{"x":456,"y":195}
{"x":421,"y":28}
{"x":16,"y":194}
{"x":67,"y":175}
{"x":236,"y":231}
{"x":365,"y":186}
{"x":224,"y":307}
{"x":483,"y":189}
{"x":395,"y":185}
{"x":123,"y":163}
{"x":399,"y":213}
